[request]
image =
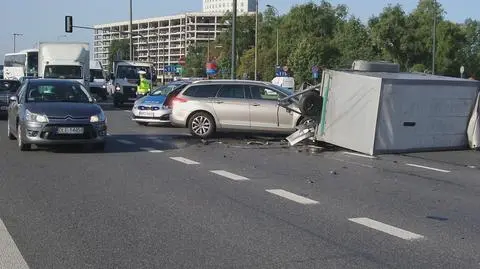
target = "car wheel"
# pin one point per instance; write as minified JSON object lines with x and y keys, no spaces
{"x":9,"y":132}
{"x":202,"y":125}
{"x":22,"y":146}
{"x":142,"y":123}
{"x":310,"y":104}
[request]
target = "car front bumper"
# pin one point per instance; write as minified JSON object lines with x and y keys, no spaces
{"x":151,"y":116}
{"x":46,"y":133}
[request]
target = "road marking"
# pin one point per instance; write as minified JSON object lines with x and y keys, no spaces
{"x":10,"y":256}
{"x":184,"y":160}
{"x":128,"y":111}
{"x":359,"y":155}
{"x":391,"y":230}
{"x":126,"y":142}
{"x":152,"y":150}
{"x":292,"y":196}
{"x":229,"y":175}
{"x":429,"y":168}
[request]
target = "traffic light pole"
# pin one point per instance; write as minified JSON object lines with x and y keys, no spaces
{"x":234,"y":39}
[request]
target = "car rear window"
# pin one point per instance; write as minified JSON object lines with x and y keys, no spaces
{"x":203,"y":91}
{"x":10,"y":86}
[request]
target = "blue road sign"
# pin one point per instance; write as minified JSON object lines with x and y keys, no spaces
{"x":315,"y":70}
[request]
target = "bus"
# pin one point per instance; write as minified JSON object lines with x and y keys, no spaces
{"x":21,"y":64}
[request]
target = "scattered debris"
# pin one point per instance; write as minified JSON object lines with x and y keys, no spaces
{"x":333,"y":172}
{"x":256,"y":143}
{"x":437,"y":218}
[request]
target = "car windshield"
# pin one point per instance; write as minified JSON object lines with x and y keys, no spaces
{"x":164,"y":90}
{"x":96,"y":74}
{"x":9,"y":86}
{"x":63,"y":71}
{"x":42,"y":91}
{"x":285,"y":91}
{"x":131,"y":72}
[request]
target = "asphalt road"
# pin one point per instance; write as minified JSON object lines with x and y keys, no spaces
{"x":158,"y":198}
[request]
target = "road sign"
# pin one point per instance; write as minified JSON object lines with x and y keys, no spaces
{"x":462,"y":69}
{"x":315,"y":71}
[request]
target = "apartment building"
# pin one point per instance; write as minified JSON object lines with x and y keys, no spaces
{"x":162,"y":40}
{"x":222,"y":6}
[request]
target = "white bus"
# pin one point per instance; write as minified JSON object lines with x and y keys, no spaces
{"x":21,"y":64}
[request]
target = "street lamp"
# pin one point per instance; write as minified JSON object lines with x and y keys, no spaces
{"x":256,"y":37}
{"x":278,"y":24}
{"x":234,"y":39}
{"x":15,"y":41}
{"x":434,"y":35}
{"x":130,"y":30}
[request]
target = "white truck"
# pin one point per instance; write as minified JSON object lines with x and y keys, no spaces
{"x":98,"y":81}
{"x":125,"y":79}
{"x":65,"y":60}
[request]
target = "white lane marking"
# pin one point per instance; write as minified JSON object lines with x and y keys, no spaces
{"x":126,"y":142}
{"x":229,"y":175}
{"x":152,"y":150}
{"x":359,"y":155}
{"x":10,"y":256}
{"x":391,"y":230}
{"x":429,"y":168}
{"x":292,"y":196}
{"x":128,"y":111}
{"x":184,"y":160}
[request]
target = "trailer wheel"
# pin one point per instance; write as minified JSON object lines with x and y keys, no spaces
{"x":311,"y":104}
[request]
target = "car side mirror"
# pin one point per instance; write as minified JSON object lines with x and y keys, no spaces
{"x":13,"y":99}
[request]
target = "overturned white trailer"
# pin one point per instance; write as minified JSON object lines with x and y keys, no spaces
{"x":392,"y":112}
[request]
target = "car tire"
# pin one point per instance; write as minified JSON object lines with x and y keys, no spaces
{"x":201,"y":125}
{"x":310,"y":104}
{"x":10,"y":135}
{"x":142,"y":123}
{"x":22,"y":146}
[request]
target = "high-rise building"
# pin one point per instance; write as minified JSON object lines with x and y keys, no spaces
{"x":222,"y":6}
{"x":162,"y":40}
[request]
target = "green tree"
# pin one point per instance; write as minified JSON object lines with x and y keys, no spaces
{"x":451,"y":42}
{"x":119,"y":50}
{"x":471,"y":50}
{"x":195,"y":61}
{"x":247,"y":63}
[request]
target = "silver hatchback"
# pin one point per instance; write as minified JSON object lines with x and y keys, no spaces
{"x":238,"y":105}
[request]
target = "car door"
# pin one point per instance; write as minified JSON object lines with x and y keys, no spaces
{"x":231,"y":107}
{"x":14,"y":107}
{"x":265,"y":114}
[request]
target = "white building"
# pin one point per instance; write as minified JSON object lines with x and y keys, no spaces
{"x":222,"y":6}
{"x":161,"y":40}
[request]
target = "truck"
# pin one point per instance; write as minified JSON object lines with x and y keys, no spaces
{"x":98,"y":81}
{"x":125,"y":79}
{"x":65,"y":60}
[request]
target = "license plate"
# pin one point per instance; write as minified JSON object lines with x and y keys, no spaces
{"x":146,"y":114}
{"x":3,"y":107}
{"x":132,"y":99}
{"x":70,"y":130}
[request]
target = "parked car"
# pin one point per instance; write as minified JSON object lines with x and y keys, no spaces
{"x":239,"y":105}
{"x":55,"y":111}
{"x":7,"y":88}
{"x":151,"y":108}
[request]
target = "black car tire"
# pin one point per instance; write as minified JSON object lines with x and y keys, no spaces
{"x":311,"y":104}
{"x":198,"y":120}
{"x":22,"y":146}
{"x":10,"y":135}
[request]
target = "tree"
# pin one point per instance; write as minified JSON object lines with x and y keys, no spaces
{"x":312,"y":51}
{"x":119,"y":50}
{"x":471,"y":50}
{"x":195,"y":61}
{"x":247,"y":62}
{"x":449,"y":50}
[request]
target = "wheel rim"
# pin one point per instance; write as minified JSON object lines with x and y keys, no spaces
{"x":201,"y":125}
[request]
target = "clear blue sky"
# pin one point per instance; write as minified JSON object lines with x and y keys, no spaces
{"x":44,"y":20}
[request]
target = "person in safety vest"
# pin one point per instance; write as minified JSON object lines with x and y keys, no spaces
{"x":143,"y":87}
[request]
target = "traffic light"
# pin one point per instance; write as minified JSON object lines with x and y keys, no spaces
{"x":68,"y":24}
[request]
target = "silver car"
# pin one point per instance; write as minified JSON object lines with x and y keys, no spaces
{"x":55,"y":111}
{"x":207,"y":106}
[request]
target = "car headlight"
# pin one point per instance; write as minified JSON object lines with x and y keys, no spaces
{"x":98,"y":118}
{"x":104,"y":86}
{"x":29,"y":116}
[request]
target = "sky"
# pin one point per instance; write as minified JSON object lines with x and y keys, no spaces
{"x":43,"y":20}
